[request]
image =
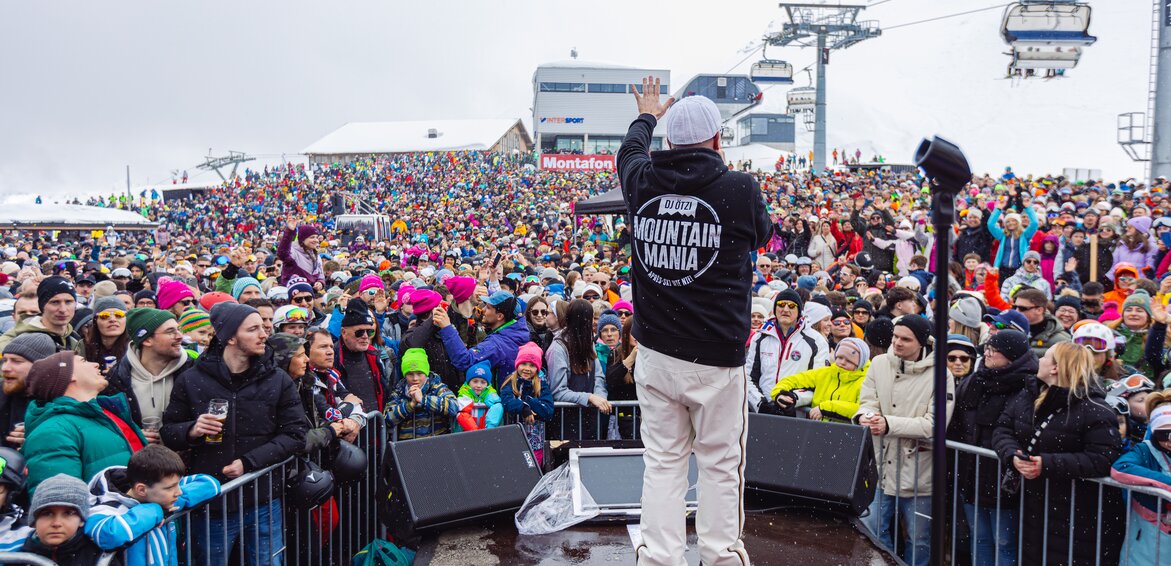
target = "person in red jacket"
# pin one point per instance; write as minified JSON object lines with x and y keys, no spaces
{"x":849,"y":242}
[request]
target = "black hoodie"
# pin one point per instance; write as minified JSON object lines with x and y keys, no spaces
{"x":694,"y":227}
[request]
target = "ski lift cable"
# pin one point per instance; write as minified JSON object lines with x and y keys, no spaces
{"x":937,"y":18}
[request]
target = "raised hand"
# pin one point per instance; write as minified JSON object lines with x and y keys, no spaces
{"x":648,"y":101}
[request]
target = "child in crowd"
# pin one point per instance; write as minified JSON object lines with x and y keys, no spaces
{"x":59,"y":509}
{"x":1148,"y":537}
{"x":133,"y":500}
{"x":13,"y":530}
{"x":836,"y":388}
{"x":527,"y":393}
{"x":1128,"y":399}
{"x":420,"y":405}
{"x":197,"y":332}
{"x":478,"y":389}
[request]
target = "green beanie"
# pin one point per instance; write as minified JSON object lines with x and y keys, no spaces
{"x":142,"y":323}
{"x":415,"y":361}
{"x":1139,"y":299}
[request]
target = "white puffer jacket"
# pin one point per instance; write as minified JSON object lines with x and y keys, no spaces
{"x":804,"y":349}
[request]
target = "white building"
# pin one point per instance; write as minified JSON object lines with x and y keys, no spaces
{"x":586,"y":107}
{"x":360,"y":139}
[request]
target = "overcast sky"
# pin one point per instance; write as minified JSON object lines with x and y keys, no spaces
{"x":90,"y":87}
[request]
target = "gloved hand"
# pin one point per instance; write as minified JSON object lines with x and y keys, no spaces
{"x":786,"y":399}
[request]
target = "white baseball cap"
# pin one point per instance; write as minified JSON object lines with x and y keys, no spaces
{"x":692,"y":120}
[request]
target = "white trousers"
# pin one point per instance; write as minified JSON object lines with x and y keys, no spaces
{"x":687,"y":408}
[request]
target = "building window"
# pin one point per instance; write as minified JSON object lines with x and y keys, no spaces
{"x":760,"y":126}
{"x":563,"y":87}
{"x":603,"y":144}
{"x":607,"y":88}
{"x":663,"y":89}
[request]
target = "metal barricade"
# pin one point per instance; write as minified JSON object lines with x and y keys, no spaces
{"x":21,"y":558}
{"x":252,"y":521}
{"x":990,"y":524}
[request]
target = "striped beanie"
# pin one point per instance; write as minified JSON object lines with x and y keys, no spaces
{"x":193,"y":319}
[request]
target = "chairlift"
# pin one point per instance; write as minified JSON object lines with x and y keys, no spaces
{"x":1050,"y":23}
{"x":801,"y":99}
{"x":1037,"y":58}
{"x":771,"y":71}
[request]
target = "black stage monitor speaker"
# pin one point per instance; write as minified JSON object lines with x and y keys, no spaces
{"x":339,"y":205}
{"x":454,"y":477}
{"x":828,"y":462}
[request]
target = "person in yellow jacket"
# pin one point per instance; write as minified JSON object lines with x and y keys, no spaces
{"x":836,"y":388}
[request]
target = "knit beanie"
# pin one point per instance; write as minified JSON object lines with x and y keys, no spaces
{"x":145,"y":294}
{"x":226,"y":319}
{"x":462,"y":288}
{"x":244,"y":283}
{"x":1109,"y":312}
{"x":193,"y":319}
{"x":51,"y":287}
{"x":1139,"y":299}
{"x":623,"y":304}
{"x":789,"y":295}
{"x":49,"y":377}
{"x":108,"y":303}
{"x":214,"y":298}
{"x":32,"y":346}
{"x":61,"y":490}
{"x":918,"y":326}
{"x":305,"y":231}
{"x":403,"y":294}
{"x":142,"y":323}
{"x":172,"y":291}
{"x":609,"y":319}
{"x":864,"y":304}
{"x":357,"y":314}
{"x":807,"y":282}
{"x":301,"y":287}
{"x":531,"y":353}
{"x":424,"y":300}
{"x":1012,"y":343}
{"x":855,"y":350}
{"x":1032,"y":254}
{"x":371,"y":282}
{"x":1068,"y":301}
{"x":415,"y":361}
{"x":479,"y":370}
{"x":1140,"y":223}
{"x":103,"y":289}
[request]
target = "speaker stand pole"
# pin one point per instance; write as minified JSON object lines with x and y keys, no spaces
{"x":943,"y":213}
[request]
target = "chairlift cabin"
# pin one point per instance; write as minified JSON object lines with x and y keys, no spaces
{"x":771,"y":71}
{"x":1041,"y":58}
{"x":1049,"y":23}
{"x":801,"y":99}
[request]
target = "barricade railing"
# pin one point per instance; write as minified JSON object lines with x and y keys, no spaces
{"x":1067,"y":521}
{"x":23,"y":558}
{"x":571,"y":421}
{"x":253,"y":521}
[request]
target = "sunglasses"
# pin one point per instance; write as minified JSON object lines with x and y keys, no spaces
{"x":840,"y":322}
{"x":364,"y":333}
{"x":539,"y":312}
{"x":786,"y":305}
{"x":861,"y":311}
{"x":1126,"y":279}
{"x":591,"y":297}
{"x":1031,"y":261}
{"x":303,"y":299}
{"x":954,"y":359}
{"x":106,"y":315}
{"x":624,"y":312}
{"x":187,"y":302}
{"x":1161,"y":435}
{"x":1024,"y":308}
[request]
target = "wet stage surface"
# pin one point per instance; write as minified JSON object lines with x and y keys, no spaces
{"x":795,"y":535}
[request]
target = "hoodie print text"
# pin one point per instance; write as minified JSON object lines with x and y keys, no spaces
{"x":677,"y":238}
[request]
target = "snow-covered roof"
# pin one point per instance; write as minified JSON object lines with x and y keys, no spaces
{"x":579,"y":64}
{"x":411,"y":136}
{"x":70,"y":217}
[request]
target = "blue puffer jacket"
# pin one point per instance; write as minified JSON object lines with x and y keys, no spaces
{"x":1145,"y":465}
{"x":499,"y":348}
{"x":1022,"y":242}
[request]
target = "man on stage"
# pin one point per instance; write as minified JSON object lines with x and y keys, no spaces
{"x":694,"y":227}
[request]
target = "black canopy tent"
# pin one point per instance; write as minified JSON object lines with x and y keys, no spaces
{"x":609,"y":202}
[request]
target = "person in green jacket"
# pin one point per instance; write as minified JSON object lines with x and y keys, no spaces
{"x":70,"y":429}
{"x":836,"y":388}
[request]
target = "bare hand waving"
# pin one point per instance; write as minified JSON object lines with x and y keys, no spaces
{"x":648,"y":102}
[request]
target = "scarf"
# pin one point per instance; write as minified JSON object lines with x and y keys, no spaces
{"x":305,"y":262}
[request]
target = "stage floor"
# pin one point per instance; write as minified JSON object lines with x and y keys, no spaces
{"x":800,"y":536}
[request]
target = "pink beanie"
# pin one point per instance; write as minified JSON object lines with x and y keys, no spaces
{"x":461,"y":288}
{"x":623,"y":304}
{"x":1109,"y":312}
{"x":423,"y":300}
{"x":370,"y":282}
{"x":171,"y":292}
{"x":530,"y":353}
{"x":404,"y":294}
